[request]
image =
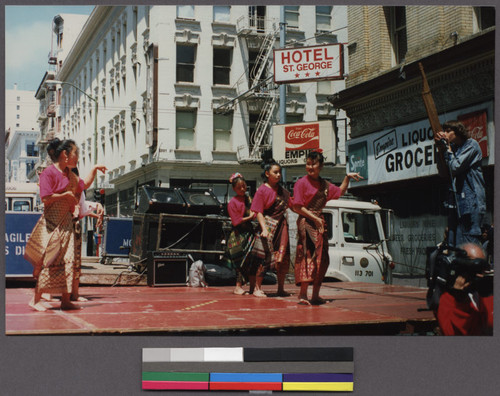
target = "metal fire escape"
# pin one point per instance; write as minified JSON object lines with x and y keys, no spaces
{"x":259,"y":92}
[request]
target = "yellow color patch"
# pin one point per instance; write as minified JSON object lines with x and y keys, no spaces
{"x":318,"y":386}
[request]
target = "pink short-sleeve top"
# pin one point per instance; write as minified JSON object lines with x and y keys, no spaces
{"x":236,"y":209}
{"x":52,"y":181}
{"x":306,"y":188}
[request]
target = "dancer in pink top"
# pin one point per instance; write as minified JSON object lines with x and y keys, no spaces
{"x":311,"y":193}
{"x":242,"y":235}
{"x":272,"y":200}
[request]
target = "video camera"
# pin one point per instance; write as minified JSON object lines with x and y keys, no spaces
{"x":445,"y":263}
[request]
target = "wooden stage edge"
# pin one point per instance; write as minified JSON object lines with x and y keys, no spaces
{"x":351,"y":309}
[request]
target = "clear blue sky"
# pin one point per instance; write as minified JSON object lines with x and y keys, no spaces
{"x":28,"y":42}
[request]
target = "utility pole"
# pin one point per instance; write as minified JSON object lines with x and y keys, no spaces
{"x":283,"y":86}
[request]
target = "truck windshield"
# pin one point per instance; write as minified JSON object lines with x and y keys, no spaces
{"x":360,"y":227}
{"x":21,"y":206}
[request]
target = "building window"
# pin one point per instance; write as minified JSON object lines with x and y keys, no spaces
{"x":325,"y":87}
{"x":257,"y":17}
{"x":292,"y":16}
{"x":29,"y":167}
{"x":222,"y":66}
{"x":294,"y":118}
{"x":253,"y":67}
{"x":18,"y":98}
{"x":18,"y":107}
{"x":185,"y":12}
{"x":31,"y":150}
{"x":223,"y":123}
{"x":323,"y":18}
{"x":293,"y":88}
{"x":185,"y":129}
{"x":222,"y":13}
{"x":186,"y":55}
{"x":397,"y":29}
{"x":485,"y":17}
{"x":127,"y":202}
{"x":18,"y":116}
{"x":135,"y":20}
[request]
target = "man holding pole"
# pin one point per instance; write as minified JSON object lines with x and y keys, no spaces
{"x":467,"y":200}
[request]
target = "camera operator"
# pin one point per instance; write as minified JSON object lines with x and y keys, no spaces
{"x":467,"y":202}
{"x":466,"y":308}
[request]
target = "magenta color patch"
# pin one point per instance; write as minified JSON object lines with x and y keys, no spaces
{"x":178,"y":385}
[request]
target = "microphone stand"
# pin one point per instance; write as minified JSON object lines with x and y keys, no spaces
{"x":454,"y":191}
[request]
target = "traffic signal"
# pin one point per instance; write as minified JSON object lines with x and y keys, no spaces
{"x":100,"y":196}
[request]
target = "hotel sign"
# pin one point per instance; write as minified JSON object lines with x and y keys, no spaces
{"x":321,"y":62}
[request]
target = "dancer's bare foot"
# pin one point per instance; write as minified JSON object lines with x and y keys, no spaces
{"x":38,"y":306}
{"x":239,"y":291}
{"x":79,"y":299}
{"x":48,"y":297}
{"x":318,"y":301}
{"x":304,"y":301}
{"x":259,"y":293}
{"x":69,"y":306}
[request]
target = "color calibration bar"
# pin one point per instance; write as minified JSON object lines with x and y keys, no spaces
{"x":265,"y":369}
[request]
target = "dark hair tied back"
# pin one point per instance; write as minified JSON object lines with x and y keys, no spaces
{"x":56,"y":147}
{"x":316,"y":155}
{"x":266,"y":165}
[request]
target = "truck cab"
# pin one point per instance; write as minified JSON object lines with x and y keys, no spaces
{"x":357,"y":241}
{"x":21,"y":197}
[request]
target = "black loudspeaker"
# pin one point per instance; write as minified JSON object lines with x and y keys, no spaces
{"x":160,"y":200}
{"x":201,"y":202}
{"x":167,"y":269}
{"x":144,"y":237}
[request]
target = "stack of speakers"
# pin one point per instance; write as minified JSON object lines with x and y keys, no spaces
{"x":166,"y":219}
{"x":178,"y":201}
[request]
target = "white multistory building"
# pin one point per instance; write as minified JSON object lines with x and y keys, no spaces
{"x":184,"y":95}
{"x":22,"y":133}
{"x":65,"y":30}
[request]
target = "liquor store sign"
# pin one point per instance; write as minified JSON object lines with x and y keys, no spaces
{"x":321,"y":62}
{"x":408,"y":151}
{"x":293,"y":142}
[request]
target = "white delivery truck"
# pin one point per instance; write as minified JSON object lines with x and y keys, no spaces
{"x":21,"y":197}
{"x":357,"y":241}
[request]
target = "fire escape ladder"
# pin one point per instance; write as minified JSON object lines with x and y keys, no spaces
{"x":262,"y":125}
{"x":262,"y":58}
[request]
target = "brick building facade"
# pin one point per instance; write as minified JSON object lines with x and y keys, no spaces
{"x":391,"y":140}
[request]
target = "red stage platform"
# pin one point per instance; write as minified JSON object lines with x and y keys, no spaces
{"x":352,"y":308}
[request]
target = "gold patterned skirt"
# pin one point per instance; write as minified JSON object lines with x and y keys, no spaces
{"x":51,"y":250}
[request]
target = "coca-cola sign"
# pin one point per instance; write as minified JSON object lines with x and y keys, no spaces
{"x":302,"y":137}
{"x":293,"y":142}
{"x":476,"y":124}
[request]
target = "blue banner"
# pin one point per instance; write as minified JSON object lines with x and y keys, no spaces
{"x":117,"y":236}
{"x":18,"y":227}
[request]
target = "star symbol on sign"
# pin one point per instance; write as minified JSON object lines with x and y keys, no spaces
{"x":317,"y":73}
{"x":307,"y":74}
{"x":297,"y":75}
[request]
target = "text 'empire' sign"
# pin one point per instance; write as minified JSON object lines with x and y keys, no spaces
{"x":321,"y":62}
{"x":293,"y":142}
